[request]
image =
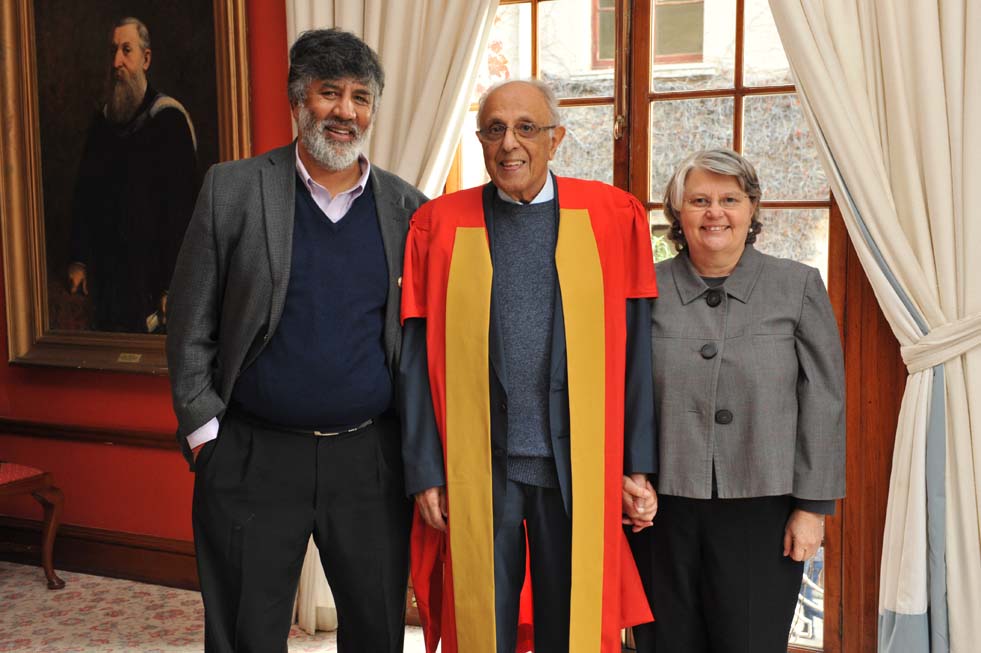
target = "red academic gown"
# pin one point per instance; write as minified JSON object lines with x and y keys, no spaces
{"x":603,"y":258}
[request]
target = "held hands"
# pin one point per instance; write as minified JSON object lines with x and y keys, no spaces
{"x":432,"y":507}
{"x":803,"y":535}
{"x":639,"y":502}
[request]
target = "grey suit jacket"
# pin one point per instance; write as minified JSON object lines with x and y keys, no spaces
{"x":231,"y":276}
{"x":753,"y":386}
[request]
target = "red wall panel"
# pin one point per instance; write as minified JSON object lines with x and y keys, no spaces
{"x":130,"y":489}
{"x":268,"y":69}
{"x":116,"y":488}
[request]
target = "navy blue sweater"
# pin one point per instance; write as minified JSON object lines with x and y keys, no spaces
{"x":325,"y":364}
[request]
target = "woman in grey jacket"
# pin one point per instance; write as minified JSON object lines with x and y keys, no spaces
{"x":749,"y":395}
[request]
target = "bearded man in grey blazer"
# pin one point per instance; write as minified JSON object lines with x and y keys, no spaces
{"x":283,"y":349}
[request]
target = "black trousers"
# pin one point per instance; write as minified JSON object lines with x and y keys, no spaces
{"x":715,"y":575}
{"x":549,"y":537}
{"x":259,"y":493}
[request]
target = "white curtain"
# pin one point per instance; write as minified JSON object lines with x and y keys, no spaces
{"x":893,"y":94}
{"x":314,"y":608}
{"x":430,"y":51}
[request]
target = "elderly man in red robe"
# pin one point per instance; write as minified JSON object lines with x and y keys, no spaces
{"x":526,"y":393}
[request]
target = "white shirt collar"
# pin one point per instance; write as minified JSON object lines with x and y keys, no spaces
{"x":313,"y":185}
{"x":544,"y":195}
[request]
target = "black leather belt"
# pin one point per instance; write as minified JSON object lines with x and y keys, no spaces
{"x":325,"y":433}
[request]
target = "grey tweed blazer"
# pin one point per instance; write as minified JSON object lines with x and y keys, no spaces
{"x":230,"y":280}
{"x":748,"y":381}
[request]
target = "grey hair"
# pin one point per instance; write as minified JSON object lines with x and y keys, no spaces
{"x":332,"y":54}
{"x":554,"y":116}
{"x":722,"y":162}
{"x":141,"y":30}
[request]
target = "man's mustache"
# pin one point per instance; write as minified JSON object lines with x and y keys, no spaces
{"x":348,"y":125}
{"x":121,"y":76}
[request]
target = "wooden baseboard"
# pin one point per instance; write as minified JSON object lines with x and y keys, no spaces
{"x":101,"y":552}
{"x":101,"y":435}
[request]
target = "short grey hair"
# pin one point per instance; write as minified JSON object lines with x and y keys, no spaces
{"x":722,"y":162}
{"x":141,"y":30}
{"x":554,"y":116}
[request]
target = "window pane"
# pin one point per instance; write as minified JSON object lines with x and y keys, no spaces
{"x":694,"y":50}
{"x":607,"y":36}
{"x":807,"y":628}
{"x":565,"y":50}
{"x":778,"y":142}
{"x":662,"y":247}
{"x":508,"y":53}
{"x":798,"y":234}
{"x":678,"y":29}
{"x":587,"y":150}
{"x":680,"y":127}
{"x":764,"y":61}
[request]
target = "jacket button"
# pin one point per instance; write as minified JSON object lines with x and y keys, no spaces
{"x":709,"y":350}
{"x":723,"y":416}
{"x":497,"y":451}
{"x":713,"y":298}
{"x":503,"y":407}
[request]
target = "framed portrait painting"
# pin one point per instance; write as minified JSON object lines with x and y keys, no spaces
{"x":112,"y":112}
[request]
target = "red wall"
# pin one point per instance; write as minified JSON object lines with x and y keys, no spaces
{"x":130,"y":489}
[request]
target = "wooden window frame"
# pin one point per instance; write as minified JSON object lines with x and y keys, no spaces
{"x":641,"y":68}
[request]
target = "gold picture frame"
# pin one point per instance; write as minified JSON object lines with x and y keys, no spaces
{"x":30,"y":339}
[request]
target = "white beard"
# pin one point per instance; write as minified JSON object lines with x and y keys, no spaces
{"x":332,"y":155}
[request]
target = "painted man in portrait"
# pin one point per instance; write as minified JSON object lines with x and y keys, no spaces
{"x":134,"y":193}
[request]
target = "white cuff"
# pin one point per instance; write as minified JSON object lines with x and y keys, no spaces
{"x":203,"y":434}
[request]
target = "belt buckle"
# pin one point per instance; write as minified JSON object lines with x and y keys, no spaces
{"x":326,"y":434}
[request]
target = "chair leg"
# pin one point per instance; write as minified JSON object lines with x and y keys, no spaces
{"x":51,"y":499}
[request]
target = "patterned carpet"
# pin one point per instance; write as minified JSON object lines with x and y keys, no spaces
{"x":104,"y":615}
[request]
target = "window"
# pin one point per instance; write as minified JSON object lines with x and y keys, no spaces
{"x":678,"y":31}
{"x":604,"y":33}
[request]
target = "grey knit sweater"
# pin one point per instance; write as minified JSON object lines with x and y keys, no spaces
{"x":524,"y":291}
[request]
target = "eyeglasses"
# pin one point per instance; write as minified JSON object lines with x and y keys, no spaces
{"x":727,"y":202}
{"x":523,"y":130}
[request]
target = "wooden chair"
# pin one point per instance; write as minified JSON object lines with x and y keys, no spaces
{"x":20,"y":479}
